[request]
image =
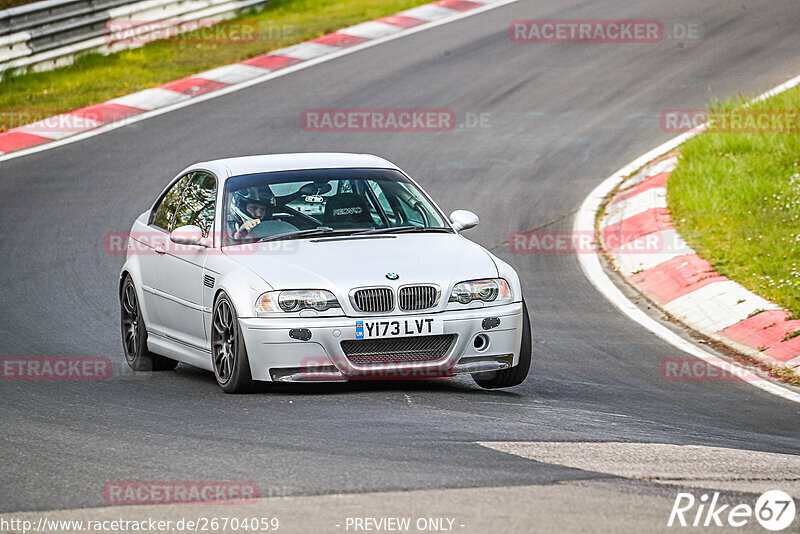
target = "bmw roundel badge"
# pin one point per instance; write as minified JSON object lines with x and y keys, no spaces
{"x":392,"y":276}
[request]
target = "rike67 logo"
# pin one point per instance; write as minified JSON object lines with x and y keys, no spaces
{"x":774,"y":510}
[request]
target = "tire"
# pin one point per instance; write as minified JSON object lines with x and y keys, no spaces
{"x":134,"y":334}
{"x":228,"y":351}
{"x":512,"y":376}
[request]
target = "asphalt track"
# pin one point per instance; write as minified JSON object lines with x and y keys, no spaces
{"x":560,"y":118}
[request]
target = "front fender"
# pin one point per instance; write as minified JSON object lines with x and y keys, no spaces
{"x":241,"y":285}
{"x":506,"y":271}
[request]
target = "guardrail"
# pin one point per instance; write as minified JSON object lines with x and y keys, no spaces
{"x":47,"y":12}
{"x":49,"y":34}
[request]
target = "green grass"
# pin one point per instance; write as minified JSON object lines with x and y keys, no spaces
{"x":735,"y":197}
{"x":95,"y":78}
{"x":5,"y":4}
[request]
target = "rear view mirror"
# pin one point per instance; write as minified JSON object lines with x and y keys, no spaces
{"x":315,"y":188}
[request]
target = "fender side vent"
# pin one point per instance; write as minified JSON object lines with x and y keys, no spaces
{"x":208,"y":281}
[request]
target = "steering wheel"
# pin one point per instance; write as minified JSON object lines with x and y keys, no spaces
{"x":269,"y":228}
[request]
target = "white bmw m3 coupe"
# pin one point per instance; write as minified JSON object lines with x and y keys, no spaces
{"x":316,"y":268}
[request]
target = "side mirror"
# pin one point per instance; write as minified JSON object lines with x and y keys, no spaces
{"x":187,"y":235}
{"x":463,"y":220}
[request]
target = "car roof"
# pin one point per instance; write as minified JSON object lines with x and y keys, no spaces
{"x":296,"y":161}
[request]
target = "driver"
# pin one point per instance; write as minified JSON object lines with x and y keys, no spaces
{"x":249,"y":207}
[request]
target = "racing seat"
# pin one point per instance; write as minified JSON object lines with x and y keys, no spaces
{"x":347,"y":210}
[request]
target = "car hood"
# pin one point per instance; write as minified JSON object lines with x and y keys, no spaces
{"x":340,"y":264}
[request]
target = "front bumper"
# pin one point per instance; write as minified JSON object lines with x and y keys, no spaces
{"x":274,"y":356}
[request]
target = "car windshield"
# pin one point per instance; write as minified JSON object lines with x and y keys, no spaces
{"x":308,"y":203}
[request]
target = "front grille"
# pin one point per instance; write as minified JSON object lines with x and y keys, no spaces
{"x":374,"y":300}
{"x":413,"y":298}
{"x":398,"y":350}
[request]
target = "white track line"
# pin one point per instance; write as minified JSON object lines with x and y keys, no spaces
{"x":268,"y":76}
{"x":592,"y":268}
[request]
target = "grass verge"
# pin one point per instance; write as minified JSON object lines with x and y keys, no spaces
{"x":5,"y":4}
{"x":94,"y":78}
{"x":735,"y":198}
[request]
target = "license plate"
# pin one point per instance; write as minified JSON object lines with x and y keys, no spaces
{"x":370,"y":329}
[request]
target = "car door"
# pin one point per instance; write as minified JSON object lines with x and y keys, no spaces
{"x":153,"y":238}
{"x":180,"y":278}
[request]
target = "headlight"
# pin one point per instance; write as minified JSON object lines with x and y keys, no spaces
{"x":490,"y":290}
{"x":295,"y":300}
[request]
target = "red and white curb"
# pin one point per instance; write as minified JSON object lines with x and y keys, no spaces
{"x":683,"y":284}
{"x":688,"y":274}
{"x":222,"y":79}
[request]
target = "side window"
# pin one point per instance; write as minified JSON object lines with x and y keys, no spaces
{"x":163,"y":213}
{"x":414,"y":209}
{"x":381,"y":196}
{"x":415,"y":215}
{"x":198,"y":202}
{"x":345,"y":186}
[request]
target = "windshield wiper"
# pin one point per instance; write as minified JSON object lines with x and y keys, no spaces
{"x":301,"y":233}
{"x":403,"y":229}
